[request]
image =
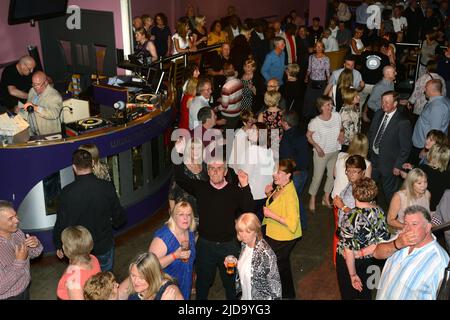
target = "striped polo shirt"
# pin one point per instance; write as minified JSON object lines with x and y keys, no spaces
{"x":414,"y":276}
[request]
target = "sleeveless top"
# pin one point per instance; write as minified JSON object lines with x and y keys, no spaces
{"x":158,"y":295}
{"x":141,"y":51}
{"x":179,"y":270}
{"x":359,"y":45}
{"x":423,"y":201}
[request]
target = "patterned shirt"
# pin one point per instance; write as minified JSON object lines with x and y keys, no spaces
{"x":15,"y":274}
{"x":350,"y":122}
{"x":413,"y":276}
{"x":417,"y":98}
{"x":362,"y":227}
{"x":319,"y":68}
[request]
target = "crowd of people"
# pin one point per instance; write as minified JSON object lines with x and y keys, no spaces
{"x":270,"y":90}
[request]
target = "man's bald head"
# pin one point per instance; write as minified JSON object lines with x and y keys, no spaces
{"x":26,"y":65}
{"x":39,"y":82}
{"x":389,"y":73}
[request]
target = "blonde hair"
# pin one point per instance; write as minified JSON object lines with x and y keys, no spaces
{"x":246,"y":31}
{"x":359,"y":145}
{"x":199,"y":20}
{"x":99,"y":169}
{"x":187,"y":157}
{"x":248,"y":222}
{"x":272,"y":98}
{"x":150,"y":269}
{"x":251,"y":62}
{"x":408,"y":185}
{"x":191,"y":87}
{"x":77,"y":243}
{"x":348,"y":94}
{"x":293,"y":69}
{"x":92,"y":149}
{"x":345,"y":79}
{"x":181,"y":205}
{"x":100,"y":286}
{"x":438,"y":157}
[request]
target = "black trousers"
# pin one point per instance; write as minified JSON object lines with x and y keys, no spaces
{"x":345,"y":283}
{"x":389,"y":183}
{"x":210,"y":256}
{"x":283,"y":251}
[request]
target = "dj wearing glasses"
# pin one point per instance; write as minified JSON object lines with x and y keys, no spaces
{"x":15,"y":83}
{"x":44,"y":106}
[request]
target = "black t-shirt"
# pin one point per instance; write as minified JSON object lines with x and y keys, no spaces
{"x":372,"y":64}
{"x":11,"y":77}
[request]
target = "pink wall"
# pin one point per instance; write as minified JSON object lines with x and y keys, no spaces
{"x":15,"y":38}
{"x":214,"y":9}
{"x":318,"y":8}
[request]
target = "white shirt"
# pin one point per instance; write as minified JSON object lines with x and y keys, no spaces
{"x":398,"y":23}
{"x":245,"y":272}
{"x":334,"y":31}
{"x":374,"y":20}
{"x":341,"y":179}
{"x":330,"y":44}
{"x":326,"y":133}
{"x":236,"y":31}
{"x":182,"y":43}
{"x":259,"y":166}
{"x":196,"y":104}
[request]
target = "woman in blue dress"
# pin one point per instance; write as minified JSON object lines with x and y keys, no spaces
{"x":174,"y":245}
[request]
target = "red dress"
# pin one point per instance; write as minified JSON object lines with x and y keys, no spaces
{"x":184,"y":112}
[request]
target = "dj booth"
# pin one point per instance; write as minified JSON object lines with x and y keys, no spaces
{"x":133,"y":141}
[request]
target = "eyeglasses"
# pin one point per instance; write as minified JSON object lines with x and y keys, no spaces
{"x":38,"y":85}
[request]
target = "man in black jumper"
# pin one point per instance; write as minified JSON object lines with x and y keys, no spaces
{"x":219,"y":204}
{"x":93,"y":204}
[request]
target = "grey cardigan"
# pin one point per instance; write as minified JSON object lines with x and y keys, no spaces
{"x":443,"y":214}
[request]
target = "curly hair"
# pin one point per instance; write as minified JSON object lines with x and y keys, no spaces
{"x":365,"y":190}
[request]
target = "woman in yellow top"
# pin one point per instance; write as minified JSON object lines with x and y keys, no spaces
{"x":216,"y":35}
{"x":282,"y":221}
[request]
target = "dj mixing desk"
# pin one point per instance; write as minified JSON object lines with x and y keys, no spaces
{"x":137,"y":152}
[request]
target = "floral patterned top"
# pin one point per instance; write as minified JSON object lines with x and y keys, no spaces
{"x":350,"y":122}
{"x":362,"y":227}
{"x":273,"y":120}
{"x":319,"y":68}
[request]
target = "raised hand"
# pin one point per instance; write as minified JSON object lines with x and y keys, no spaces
{"x":243,"y":178}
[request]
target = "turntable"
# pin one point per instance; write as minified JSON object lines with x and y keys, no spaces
{"x":85,"y":125}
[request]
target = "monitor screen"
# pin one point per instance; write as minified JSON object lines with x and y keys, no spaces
{"x":25,"y":10}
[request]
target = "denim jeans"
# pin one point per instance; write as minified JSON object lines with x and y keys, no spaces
{"x":299,"y":183}
{"x":106,"y":260}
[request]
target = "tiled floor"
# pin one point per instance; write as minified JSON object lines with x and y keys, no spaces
{"x":311,"y":260}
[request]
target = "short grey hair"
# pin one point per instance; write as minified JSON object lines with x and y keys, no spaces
{"x":5,"y":205}
{"x":277,"y":40}
{"x":418,"y":209}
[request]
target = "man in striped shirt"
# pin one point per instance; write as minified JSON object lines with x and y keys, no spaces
{"x":414,"y":272}
{"x":16,"y":250}
{"x":231,"y":99}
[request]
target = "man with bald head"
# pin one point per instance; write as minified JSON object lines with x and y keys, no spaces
{"x":384,"y":85}
{"x":16,"y":82}
{"x":435,"y":115}
{"x":45,"y":105}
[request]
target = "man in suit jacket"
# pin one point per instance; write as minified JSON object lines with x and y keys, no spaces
{"x":91,"y":203}
{"x":259,"y":43}
{"x":389,"y":144}
{"x":234,"y":29}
